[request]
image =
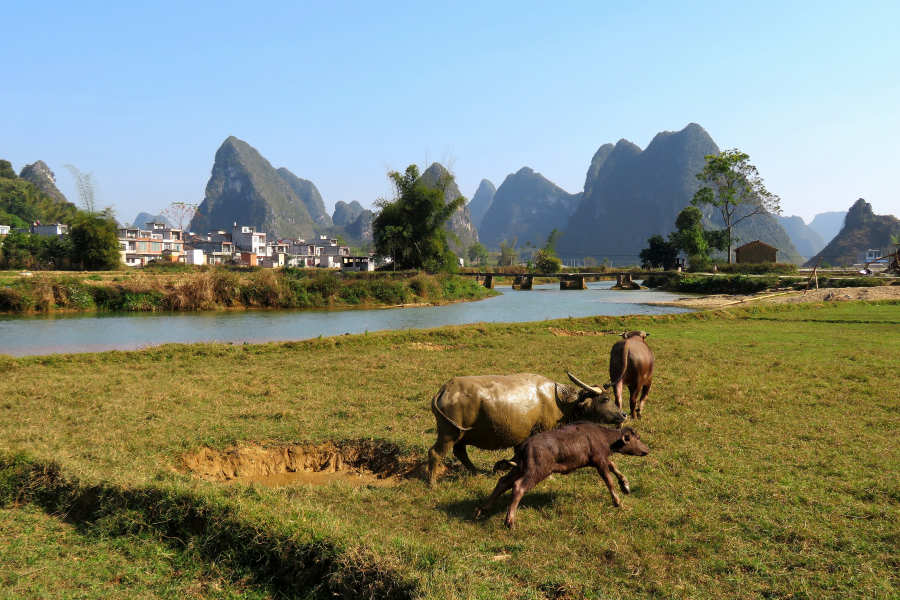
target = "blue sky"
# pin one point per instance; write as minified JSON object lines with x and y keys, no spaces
{"x":142,"y":94}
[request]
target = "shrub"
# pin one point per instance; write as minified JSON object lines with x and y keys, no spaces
{"x":765,"y":268}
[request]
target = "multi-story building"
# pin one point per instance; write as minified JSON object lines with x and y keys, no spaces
{"x":158,"y":241}
{"x":216,"y":246}
{"x":247,"y":239}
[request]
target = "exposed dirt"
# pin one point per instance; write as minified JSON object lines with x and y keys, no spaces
{"x":566,"y":332}
{"x":821,"y":295}
{"x":363,"y":462}
{"x":428,"y":346}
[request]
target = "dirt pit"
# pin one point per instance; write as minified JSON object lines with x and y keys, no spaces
{"x":361,"y":463}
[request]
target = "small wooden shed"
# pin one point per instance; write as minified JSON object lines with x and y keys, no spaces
{"x":755,"y":252}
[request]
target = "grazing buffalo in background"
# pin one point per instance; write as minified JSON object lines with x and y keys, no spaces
{"x":492,"y":412}
{"x":562,"y":451}
{"x":631,"y":364}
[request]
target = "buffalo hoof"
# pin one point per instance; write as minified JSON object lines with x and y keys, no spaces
{"x":477,"y":514}
{"x":626,"y":489}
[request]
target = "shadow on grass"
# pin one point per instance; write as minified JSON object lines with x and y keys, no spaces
{"x":463,"y":510}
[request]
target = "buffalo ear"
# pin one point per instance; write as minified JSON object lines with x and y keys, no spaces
{"x":626,"y":438}
{"x":646,"y":335}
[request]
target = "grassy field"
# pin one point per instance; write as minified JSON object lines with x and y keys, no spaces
{"x":773,"y":471}
{"x":44,"y":557}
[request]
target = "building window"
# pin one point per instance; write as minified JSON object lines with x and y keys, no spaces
{"x":155,"y":246}
{"x":142,"y":246}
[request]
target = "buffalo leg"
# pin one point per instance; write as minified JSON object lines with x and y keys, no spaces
{"x":445,"y":440}
{"x":607,"y":479}
{"x":506,"y":482}
{"x":520,"y":487}
{"x":645,"y":391}
{"x":459,"y":450}
{"x":623,"y":481}
{"x":633,"y":401}
{"x":617,"y":389}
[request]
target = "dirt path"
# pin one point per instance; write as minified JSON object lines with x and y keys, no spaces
{"x":822,"y":295}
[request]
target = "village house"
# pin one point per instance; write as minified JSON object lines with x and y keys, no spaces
{"x":216,"y":246}
{"x":158,"y":241}
{"x":52,"y":230}
{"x":4,"y":229}
{"x":756,"y":252}
{"x":329,"y":254}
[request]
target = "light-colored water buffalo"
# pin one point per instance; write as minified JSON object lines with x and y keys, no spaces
{"x":631,"y":364}
{"x":492,"y":412}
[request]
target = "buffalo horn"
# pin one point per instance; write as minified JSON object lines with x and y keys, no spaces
{"x":582,"y":384}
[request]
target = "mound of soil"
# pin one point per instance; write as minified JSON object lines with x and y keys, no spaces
{"x":364,"y":462}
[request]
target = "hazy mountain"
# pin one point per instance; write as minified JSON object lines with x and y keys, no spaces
{"x":526,"y":206}
{"x":481,"y":201}
{"x":360,"y":229}
{"x":863,"y":230}
{"x":344,"y":213}
{"x":357,"y":232}
{"x":808,"y":241}
{"x":306,"y":190}
{"x":594,"y":170}
{"x":632,"y":194}
{"x":143,"y":218}
{"x":828,"y":224}
{"x":244,"y":188}
{"x":43,"y":178}
{"x":461,"y":221}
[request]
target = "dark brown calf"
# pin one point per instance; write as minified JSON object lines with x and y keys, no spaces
{"x":564,"y":450}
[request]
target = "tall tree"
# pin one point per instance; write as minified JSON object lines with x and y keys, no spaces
{"x":87,"y":190}
{"x":410,"y":227}
{"x":94,"y":241}
{"x":181,"y":214}
{"x":733,"y":187}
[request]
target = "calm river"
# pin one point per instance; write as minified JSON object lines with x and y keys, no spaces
{"x":22,"y":335}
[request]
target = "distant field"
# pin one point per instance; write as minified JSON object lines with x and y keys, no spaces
{"x":773,"y":470}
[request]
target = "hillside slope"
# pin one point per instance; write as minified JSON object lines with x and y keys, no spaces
{"x":863,"y":230}
{"x":527,"y":206}
{"x":244,"y":188}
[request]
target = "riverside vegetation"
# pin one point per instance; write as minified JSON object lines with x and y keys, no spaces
{"x":185,"y":288}
{"x":772,"y":472}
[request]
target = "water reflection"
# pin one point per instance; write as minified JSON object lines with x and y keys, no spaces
{"x":22,"y":335}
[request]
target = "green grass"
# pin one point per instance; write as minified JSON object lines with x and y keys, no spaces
{"x":772,"y":473}
{"x":42,"y":556}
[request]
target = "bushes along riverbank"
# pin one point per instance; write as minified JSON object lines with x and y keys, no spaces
{"x":221,"y":288}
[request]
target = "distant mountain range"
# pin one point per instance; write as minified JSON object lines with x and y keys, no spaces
{"x":481,"y":202}
{"x":807,"y":240}
{"x":143,"y":219}
{"x":862,"y":230}
{"x":527,"y":206}
{"x":828,"y":224}
{"x":631,"y":194}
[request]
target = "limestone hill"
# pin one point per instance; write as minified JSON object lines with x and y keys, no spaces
{"x":461,"y":221}
{"x":245,"y":188}
{"x":631,"y":194}
{"x":527,"y":206}
{"x":863,"y":230}
{"x":481,"y":202}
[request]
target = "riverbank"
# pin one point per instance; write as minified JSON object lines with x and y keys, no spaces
{"x":890,"y":293}
{"x":221,"y":288}
{"x":142,"y":445}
